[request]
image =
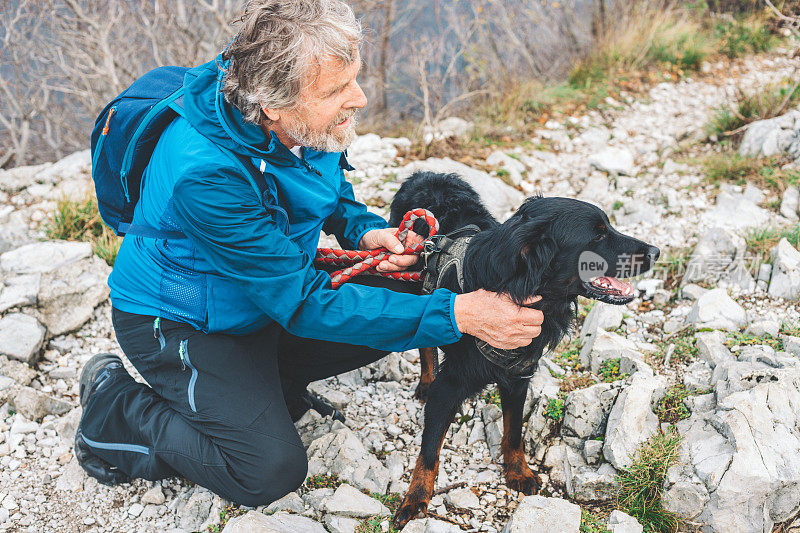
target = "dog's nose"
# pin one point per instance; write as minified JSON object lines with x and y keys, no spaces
{"x":653,"y":253}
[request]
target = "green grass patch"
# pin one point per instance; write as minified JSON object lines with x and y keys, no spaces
{"x":373,"y":524}
{"x":568,"y":358}
{"x":609,"y":370}
{"x":80,"y":221}
{"x":491,"y":395}
{"x":224,"y":515}
{"x":642,"y":483}
{"x":737,"y":338}
{"x":761,"y":241}
{"x":685,"y":348}
{"x":593,"y":522}
{"x":554,"y":410}
{"x":322,"y":481}
{"x":652,"y":41}
{"x":749,"y":106}
{"x":764,"y":172}
{"x":670,"y":408}
{"x":792,"y":329}
{"x":735,"y":38}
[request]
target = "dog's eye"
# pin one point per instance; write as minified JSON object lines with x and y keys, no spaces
{"x":599,"y":238}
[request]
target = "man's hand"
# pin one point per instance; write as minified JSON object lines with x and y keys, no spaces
{"x":385,"y":238}
{"x":496,"y":319}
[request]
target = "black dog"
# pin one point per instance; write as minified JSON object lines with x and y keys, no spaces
{"x":559,"y":248}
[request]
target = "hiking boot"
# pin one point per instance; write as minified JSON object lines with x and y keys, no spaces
{"x":96,"y":374}
{"x":300,"y":404}
{"x":103,"y":471}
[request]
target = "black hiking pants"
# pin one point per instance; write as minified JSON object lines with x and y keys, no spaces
{"x":214,"y":412}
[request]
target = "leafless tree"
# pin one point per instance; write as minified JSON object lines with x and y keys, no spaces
{"x":62,"y":60}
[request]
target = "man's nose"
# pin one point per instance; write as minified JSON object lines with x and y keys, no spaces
{"x":358,"y":100}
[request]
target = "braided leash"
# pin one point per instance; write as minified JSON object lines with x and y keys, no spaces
{"x":366,"y":261}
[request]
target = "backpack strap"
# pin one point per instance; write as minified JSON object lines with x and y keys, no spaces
{"x":255,"y":177}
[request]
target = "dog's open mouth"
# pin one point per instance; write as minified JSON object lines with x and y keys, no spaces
{"x":609,"y":290}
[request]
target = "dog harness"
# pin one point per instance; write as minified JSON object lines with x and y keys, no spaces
{"x":441,"y":255}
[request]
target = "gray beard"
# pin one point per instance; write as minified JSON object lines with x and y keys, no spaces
{"x":322,"y":141}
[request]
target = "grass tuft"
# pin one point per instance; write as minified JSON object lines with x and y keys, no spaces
{"x":554,"y":410}
{"x":765,"y":172}
{"x":642,"y":483}
{"x":373,"y":524}
{"x":491,"y":395}
{"x":225,"y":515}
{"x":792,"y":330}
{"x":742,"y":36}
{"x":322,"y":481}
{"x":761,"y":241}
{"x":671,"y":266}
{"x":670,"y":408}
{"x":609,"y":370}
{"x":737,"y":338}
{"x":750,"y":106}
{"x":80,"y":221}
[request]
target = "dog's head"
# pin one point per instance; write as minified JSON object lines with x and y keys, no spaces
{"x":562,"y":248}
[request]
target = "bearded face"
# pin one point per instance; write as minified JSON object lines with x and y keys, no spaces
{"x":324,"y":117}
{"x":335,"y":136}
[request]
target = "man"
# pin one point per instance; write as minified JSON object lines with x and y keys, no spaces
{"x":229,"y":325}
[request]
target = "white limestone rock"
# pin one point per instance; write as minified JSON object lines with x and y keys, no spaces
{"x":716,"y":310}
{"x":21,"y":337}
{"x":351,"y":502}
{"x":785,"y":282}
{"x":631,"y":421}
{"x":537,"y":514}
{"x":613,"y":160}
{"x":69,"y":294}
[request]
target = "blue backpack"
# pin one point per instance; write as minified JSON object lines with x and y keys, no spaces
{"x":123,"y":139}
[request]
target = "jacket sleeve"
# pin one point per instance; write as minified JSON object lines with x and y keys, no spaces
{"x":222,"y":216}
{"x":351,"y":220}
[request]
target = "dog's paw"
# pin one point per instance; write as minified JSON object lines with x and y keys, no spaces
{"x":527,"y":483}
{"x":421,"y":392}
{"x":408,"y":510}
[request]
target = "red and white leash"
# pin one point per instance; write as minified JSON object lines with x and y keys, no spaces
{"x":366,"y":261}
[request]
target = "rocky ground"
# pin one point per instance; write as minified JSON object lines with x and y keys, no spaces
{"x":738,"y":467}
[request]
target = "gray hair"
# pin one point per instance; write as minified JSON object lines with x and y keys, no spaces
{"x":278,"y":47}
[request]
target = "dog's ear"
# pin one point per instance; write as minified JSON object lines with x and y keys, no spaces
{"x":523,"y":250}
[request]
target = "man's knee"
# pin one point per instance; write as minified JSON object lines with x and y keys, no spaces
{"x":273,"y":475}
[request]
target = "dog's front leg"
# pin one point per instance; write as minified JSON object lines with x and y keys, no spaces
{"x":518,"y":474}
{"x":444,"y":398}
{"x":426,"y":356}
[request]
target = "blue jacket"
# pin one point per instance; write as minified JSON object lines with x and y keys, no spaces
{"x":238,"y":271}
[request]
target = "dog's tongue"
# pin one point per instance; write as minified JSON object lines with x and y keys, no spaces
{"x":612,"y":284}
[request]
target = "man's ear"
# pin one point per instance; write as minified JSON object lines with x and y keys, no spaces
{"x":273,"y":114}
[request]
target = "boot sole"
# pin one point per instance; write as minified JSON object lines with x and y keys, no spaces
{"x":90,"y":369}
